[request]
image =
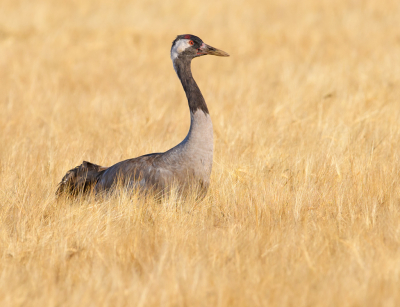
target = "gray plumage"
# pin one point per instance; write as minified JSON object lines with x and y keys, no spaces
{"x":186,"y":166}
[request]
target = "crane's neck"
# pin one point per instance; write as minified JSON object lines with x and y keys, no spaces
{"x":197,"y":147}
{"x":193,"y":93}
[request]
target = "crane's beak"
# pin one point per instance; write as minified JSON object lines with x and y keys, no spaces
{"x":206,"y":49}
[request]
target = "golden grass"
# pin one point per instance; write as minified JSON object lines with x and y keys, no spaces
{"x":304,"y":205}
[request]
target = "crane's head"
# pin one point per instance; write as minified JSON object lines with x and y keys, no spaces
{"x":190,"y":46}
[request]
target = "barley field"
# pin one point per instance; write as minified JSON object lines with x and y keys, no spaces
{"x":304,"y":203}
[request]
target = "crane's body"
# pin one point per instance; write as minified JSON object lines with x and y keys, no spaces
{"x":186,"y":166}
{"x":189,"y":162}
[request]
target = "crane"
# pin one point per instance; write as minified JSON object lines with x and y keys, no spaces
{"x":187,"y":166}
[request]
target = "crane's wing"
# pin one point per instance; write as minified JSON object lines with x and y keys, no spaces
{"x":147,"y":173}
{"x":81,"y":179}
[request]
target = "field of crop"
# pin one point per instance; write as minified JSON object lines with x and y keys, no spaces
{"x":304,"y":203}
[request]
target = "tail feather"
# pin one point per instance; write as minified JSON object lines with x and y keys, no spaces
{"x":81,"y":179}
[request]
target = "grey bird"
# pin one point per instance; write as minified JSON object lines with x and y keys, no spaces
{"x":187,"y":166}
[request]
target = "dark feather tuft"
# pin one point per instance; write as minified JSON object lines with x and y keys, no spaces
{"x":80,"y":180}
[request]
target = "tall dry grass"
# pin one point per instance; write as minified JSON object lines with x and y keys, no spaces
{"x":304,"y":205}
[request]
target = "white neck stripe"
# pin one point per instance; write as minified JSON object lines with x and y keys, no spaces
{"x":179,"y":47}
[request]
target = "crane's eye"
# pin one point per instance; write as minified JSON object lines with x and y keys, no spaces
{"x":191,"y":43}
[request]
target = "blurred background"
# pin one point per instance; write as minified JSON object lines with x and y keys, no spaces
{"x":109,"y":60}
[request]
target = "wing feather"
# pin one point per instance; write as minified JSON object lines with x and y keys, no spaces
{"x":80,"y":179}
{"x":145,"y":172}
